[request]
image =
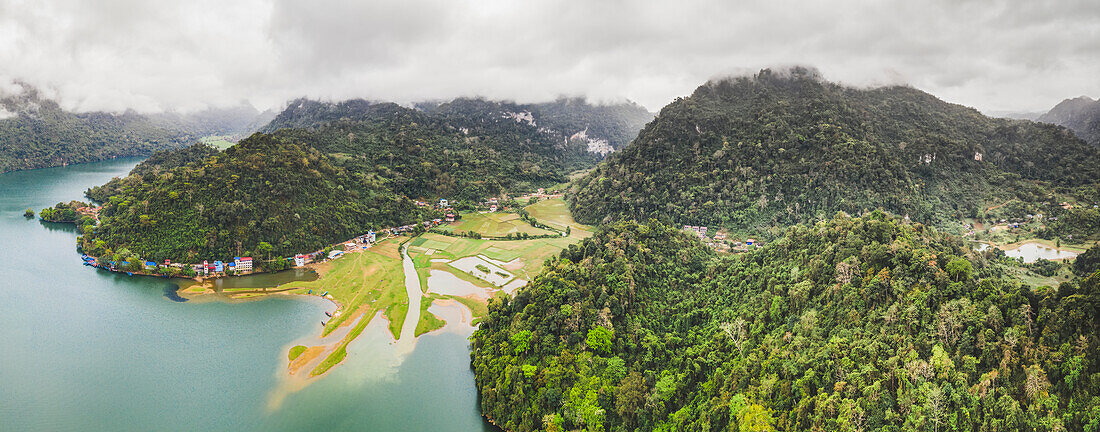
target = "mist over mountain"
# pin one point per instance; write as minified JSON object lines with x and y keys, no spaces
{"x":783,"y":147}
{"x":36,"y":132}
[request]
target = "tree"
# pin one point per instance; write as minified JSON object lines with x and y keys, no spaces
{"x":28,"y":214}
{"x":1088,"y":262}
{"x":264,"y":250}
{"x":599,"y":339}
{"x":959,"y":269}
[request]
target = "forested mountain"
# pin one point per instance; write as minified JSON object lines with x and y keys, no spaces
{"x":773,"y":149}
{"x":160,"y":162}
{"x":265,"y":196}
{"x":467,"y":148}
{"x":871,"y":323}
{"x":603,"y":128}
{"x":38,"y":133}
{"x":1081,"y":115}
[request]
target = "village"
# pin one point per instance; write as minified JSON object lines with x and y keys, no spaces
{"x":242,"y":266}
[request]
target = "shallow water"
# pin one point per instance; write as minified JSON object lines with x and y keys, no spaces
{"x":441,"y":282}
{"x":1031,"y":252}
{"x":89,"y":350}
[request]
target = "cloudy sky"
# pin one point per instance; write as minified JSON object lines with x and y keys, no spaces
{"x":152,"y":55}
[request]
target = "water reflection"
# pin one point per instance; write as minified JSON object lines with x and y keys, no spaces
{"x":1031,"y":252}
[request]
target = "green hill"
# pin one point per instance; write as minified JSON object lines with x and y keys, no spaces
{"x":160,"y":162}
{"x":38,"y":133}
{"x":774,"y":149}
{"x":871,"y":323}
{"x":467,"y":148}
{"x":262,"y":190}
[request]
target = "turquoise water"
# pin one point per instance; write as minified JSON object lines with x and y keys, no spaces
{"x":84,"y":349}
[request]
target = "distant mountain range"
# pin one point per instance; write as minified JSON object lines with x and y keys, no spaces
{"x":779,"y":148}
{"x":601,"y":128}
{"x":1081,"y":115}
{"x":465,"y":148}
{"x":38,"y":133}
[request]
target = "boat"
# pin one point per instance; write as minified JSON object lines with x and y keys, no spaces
{"x":129,"y":274}
{"x":329,"y":314}
{"x":322,"y":323}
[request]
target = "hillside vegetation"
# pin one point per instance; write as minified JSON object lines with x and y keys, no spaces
{"x":160,"y":162}
{"x":264,"y":197}
{"x":466,"y":148}
{"x":37,"y":133}
{"x":870,"y":323}
{"x":774,"y":149}
{"x":1081,"y":115}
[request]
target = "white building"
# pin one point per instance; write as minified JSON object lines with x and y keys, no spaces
{"x":243,"y":264}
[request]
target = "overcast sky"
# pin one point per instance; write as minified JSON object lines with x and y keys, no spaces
{"x":154,"y":55}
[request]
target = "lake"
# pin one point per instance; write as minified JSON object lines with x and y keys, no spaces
{"x":85,"y":349}
{"x":1031,"y":252}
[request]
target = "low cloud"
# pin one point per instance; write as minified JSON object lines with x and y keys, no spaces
{"x":152,"y":56}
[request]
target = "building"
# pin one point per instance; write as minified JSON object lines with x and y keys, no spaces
{"x":371,"y":238}
{"x":443,"y":203}
{"x":700,"y":231}
{"x":243,"y":264}
{"x":335,"y":254}
{"x":450,"y":216}
{"x":749,"y":242}
{"x":149,"y":265}
{"x":219,"y":266}
{"x":493,"y":208}
{"x":198,"y":268}
{"x":299,"y":260}
{"x":349,"y":246}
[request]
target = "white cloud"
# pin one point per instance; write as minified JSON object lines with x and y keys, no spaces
{"x":994,"y":55}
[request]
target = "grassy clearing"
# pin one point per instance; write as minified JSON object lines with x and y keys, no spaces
{"x":220,"y":142}
{"x":396,"y":314}
{"x":296,"y":351}
{"x":428,"y":322}
{"x":363,"y":283}
{"x":372,"y":278}
{"x":555,"y":213}
{"x":332,"y":360}
{"x":532,"y":252}
{"x":493,"y":225}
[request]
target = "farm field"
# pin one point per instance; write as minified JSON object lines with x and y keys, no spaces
{"x":494,"y":225}
{"x":217,"y":141}
{"x":555,"y":213}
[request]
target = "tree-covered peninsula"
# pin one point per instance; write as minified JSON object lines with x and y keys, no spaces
{"x":781,"y":147}
{"x":849,"y":324}
{"x":265,"y":197}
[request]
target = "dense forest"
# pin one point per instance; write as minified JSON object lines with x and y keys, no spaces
{"x":264,"y":197}
{"x":467,"y":148}
{"x":778,"y":148}
{"x":147,"y":170}
{"x":1081,"y":115}
{"x":38,"y":133}
{"x":849,"y":324}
